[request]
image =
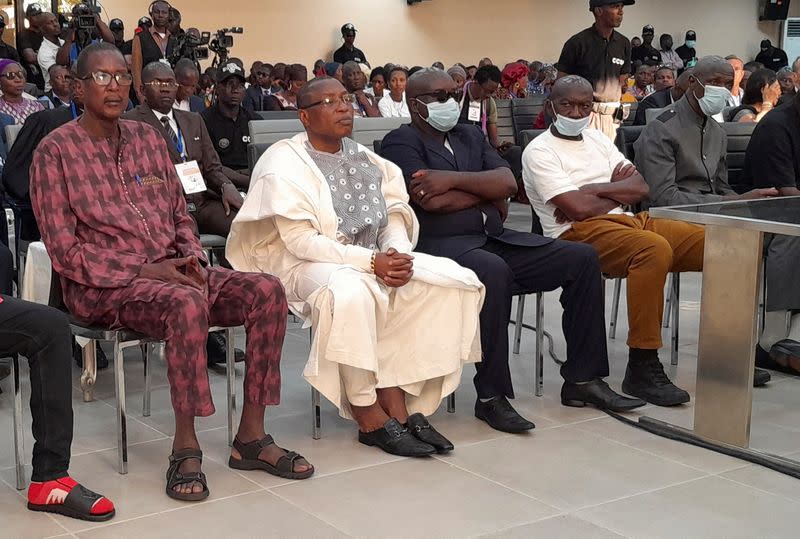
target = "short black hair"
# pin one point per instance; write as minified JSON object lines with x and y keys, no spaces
{"x":154,"y":69}
{"x":414,"y":70}
{"x":304,"y":96}
{"x":186,"y":67}
{"x":377,"y":71}
{"x":488,"y":73}
{"x":757,"y":81}
{"x":752,"y":67}
{"x":395,"y":69}
{"x":87,"y":54}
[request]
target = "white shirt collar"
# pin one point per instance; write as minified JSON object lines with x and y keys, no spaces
{"x":169,"y":115}
{"x":182,"y":105}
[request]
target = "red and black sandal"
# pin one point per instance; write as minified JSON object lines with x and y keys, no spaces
{"x":67,"y":497}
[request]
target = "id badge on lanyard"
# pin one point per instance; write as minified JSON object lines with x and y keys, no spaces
{"x":189,"y":171}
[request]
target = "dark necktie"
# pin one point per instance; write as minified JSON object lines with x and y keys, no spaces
{"x":173,"y":136}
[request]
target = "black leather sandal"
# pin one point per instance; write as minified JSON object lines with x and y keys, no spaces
{"x":176,"y":478}
{"x":249,"y":460}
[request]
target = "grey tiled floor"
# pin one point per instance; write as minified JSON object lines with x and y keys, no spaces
{"x":579,"y":474}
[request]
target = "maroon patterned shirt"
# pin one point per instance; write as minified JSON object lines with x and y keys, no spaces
{"x":102,"y":217}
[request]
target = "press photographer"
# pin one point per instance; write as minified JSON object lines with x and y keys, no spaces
{"x":86,"y":28}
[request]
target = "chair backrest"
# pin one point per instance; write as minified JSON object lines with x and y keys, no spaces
{"x":368,"y":130}
{"x":278,"y":114}
{"x":523,"y":113}
{"x":255,"y":151}
{"x":376,"y":145}
{"x":652,"y":114}
{"x":12,"y":131}
{"x":627,"y":135}
{"x":527,"y":135}
{"x":739,"y":135}
{"x":271,"y":131}
{"x":632,"y":115}
{"x":505,"y":124}
{"x":365,"y":130}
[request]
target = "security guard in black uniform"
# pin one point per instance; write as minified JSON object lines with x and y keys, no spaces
{"x":348,"y":52}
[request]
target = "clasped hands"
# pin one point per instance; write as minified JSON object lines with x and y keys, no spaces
{"x":394,"y":268}
{"x":181,"y":271}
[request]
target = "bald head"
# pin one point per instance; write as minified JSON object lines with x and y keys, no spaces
{"x":156,"y":70}
{"x":710,"y":67}
{"x":316,"y":89}
{"x":428,"y":80}
{"x":569,"y":85}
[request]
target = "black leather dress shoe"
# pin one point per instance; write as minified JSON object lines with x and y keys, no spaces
{"x":396,"y":440}
{"x":500,"y":415}
{"x":419,"y":427}
{"x":216,"y":350}
{"x":761,"y":377}
{"x":598,"y":394}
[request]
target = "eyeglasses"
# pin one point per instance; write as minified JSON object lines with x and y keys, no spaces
{"x":101,"y":78}
{"x":13,"y":75}
{"x":346,"y":99}
{"x":443,"y":95}
{"x":162,"y":84}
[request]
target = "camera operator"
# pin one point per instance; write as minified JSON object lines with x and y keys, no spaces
{"x":152,"y":44}
{"x":83,"y":34}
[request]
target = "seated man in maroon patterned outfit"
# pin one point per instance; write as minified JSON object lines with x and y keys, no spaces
{"x":113,"y":217}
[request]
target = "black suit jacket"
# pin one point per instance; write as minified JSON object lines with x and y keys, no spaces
{"x":657,"y":100}
{"x":453,"y":234}
{"x":255,"y":100}
{"x":196,"y":139}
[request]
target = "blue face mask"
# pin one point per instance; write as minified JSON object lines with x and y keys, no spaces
{"x":569,"y":127}
{"x":442,"y":116}
{"x":691,"y":43}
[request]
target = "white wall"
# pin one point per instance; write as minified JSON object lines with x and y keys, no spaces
{"x":454,"y":30}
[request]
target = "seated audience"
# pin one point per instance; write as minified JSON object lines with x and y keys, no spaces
{"x":513,"y":82}
{"x":132,"y":260}
{"x":377,"y":83}
{"x":664,"y":77}
{"x":353,"y":273}
{"x":188,"y":78}
{"x":787,"y":79}
{"x":228,"y":124}
{"x":663,"y":98}
{"x":471,"y":70}
{"x":41,"y":334}
{"x":278,"y":77}
{"x":60,"y":94}
{"x":393,"y":105}
{"x":364,"y":104}
{"x":479,"y":108}
{"x":257,"y":96}
{"x":334,"y":69}
{"x":459,"y":76}
{"x":319,"y":68}
{"x":643,"y":82}
{"x":296,"y":77}
{"x":459,"y":188}
{"x":749,"y":69}
{"x":760,"y":96}
{"x":578,"y":183}
{"x":682,"y":153}
{"x":669,"y":57}
{"x":773,"y":161}
{"x":536,"y":76}
{"x":739,"y":82}
{"x":12,"y":84}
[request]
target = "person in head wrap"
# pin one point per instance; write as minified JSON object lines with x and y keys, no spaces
{"x":514,"y":82}
{"x":13,"y":101}
{"x":334,"y":69}
{"x":459,"y":75}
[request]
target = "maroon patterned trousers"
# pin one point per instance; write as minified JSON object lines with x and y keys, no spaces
{"x":181,"y":316}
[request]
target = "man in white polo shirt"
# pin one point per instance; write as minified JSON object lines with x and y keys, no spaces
{"x":578,"y":183}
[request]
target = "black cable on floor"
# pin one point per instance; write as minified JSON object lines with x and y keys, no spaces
{"x":773,"y":462}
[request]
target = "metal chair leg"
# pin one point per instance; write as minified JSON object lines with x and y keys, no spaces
{"x":122,"y":419}
{"x":89,"y":375}
{"x":230,"y":367}
{"x":19,"y":441}
{"x":612,"y":326}
{"x":518,"y":323}
{"x":676,"y":309}
{"x":12,"y":234}
{"x":451,"y":403}
{"x":539,"y":363}
{"x":147,"y":358}
{"x":316,"y":411}
{"x":667,"y":305}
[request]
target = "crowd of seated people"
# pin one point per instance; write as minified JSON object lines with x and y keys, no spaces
{"x":353,"y":241}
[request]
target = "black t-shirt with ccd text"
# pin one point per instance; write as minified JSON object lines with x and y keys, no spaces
{"x":230,"y":137}
{"x":599,"y":60}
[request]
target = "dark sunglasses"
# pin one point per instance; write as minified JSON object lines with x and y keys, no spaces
{"x":12,"y":75}
{"x":443,"y":95}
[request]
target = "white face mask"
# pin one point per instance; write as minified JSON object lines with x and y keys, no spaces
{"x":570,"y":127}
{"x":442,"y":116}
{"x":714,"y":100}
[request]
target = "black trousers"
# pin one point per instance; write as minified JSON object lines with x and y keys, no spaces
{"x":507,"y":269}
{"x":41,"y":334}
